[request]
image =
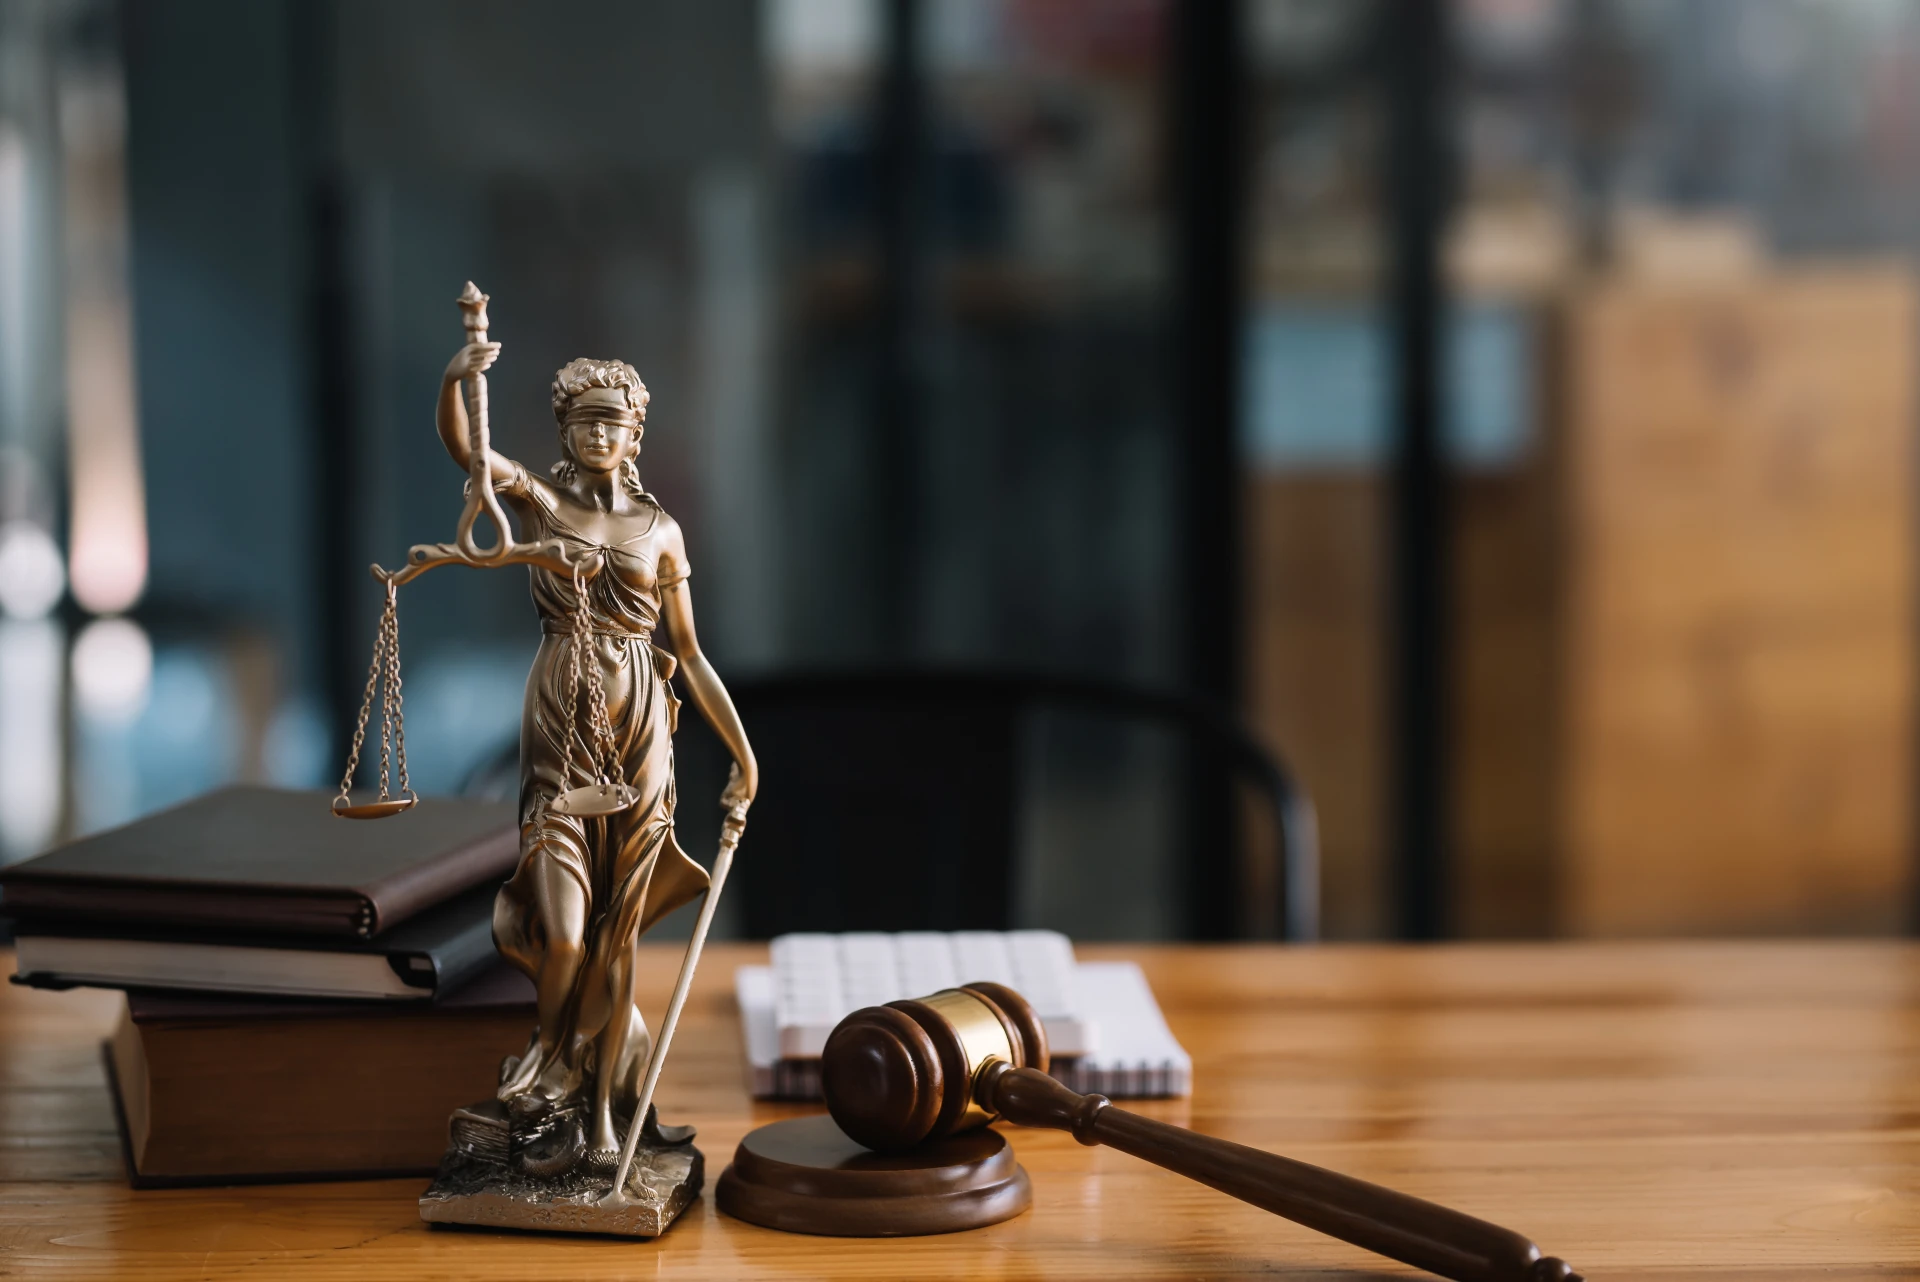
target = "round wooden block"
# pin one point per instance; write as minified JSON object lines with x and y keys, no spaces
{"x":806,"y":1176}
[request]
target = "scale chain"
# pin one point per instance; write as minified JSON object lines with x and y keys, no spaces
{"x":386,"y":715}
{"x":395,"y":696}
{"x":600,"y":743}
{"x":385,"y":662}
{"x":578,"y":657}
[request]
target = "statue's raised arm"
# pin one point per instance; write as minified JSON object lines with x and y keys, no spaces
{"x":450,"y":415}
{"x":464,"y":431}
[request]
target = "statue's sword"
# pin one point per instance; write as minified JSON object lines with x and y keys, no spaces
{"x":730,"y":830}
{"x":480,"y":495}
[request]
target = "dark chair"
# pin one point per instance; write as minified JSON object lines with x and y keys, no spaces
{"x":889,"y":799}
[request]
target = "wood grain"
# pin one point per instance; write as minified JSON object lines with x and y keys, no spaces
{"x":1682,"y":687}
{"x":1315,"y":597}
{"x":1647,"y":1111}
{"x":1738,"y":713}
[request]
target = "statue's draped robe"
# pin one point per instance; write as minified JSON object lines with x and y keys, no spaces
{"x":628,"y":865}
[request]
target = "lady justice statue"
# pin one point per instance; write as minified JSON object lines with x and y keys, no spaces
{"x":588,"y":887}
{"x":599,"y":864}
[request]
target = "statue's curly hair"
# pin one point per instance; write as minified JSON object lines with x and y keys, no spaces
{"x":575,"y":377}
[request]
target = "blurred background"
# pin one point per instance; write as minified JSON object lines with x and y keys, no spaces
{"x":1504,"y":408}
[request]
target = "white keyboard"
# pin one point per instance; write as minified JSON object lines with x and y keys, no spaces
{"x":1138,"y":1056}
{"x":818,"y":980}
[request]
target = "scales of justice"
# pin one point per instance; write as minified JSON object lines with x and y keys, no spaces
{"x":571,"y":1140}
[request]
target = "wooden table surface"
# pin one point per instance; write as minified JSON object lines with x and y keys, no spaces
{"x":1647,"y":1111}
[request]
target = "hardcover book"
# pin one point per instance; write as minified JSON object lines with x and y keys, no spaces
{"x":216,"y":1090}
{"x":430,"y":954}
{"x":266,"y":862}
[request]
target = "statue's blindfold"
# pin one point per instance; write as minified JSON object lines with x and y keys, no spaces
{"x":588,"y":414}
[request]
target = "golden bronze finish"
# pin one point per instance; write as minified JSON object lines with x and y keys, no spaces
{"x":480,"y":496}
{"x":594,"y":800}
{"x":1024,"y":1029}
{"x":373,"y":809}
{"x":385,"y":668}
{"x":478,"y":458}
{"x":599,"y":863}
{"x":906,"y":1073}
{"x":984,"y":1040}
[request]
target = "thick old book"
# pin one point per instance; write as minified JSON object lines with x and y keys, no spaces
{"x":267,"y":862}
{"x":433,"y":953}
{"x":212,"y":1090}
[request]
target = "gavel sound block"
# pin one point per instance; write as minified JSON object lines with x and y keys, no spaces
{"x":910,"y":1087}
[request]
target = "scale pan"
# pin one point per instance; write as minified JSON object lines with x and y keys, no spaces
{"x":374,"y":809}
{"x":594,"y":800}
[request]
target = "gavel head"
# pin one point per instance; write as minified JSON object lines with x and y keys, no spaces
{"x":898,"y":1075}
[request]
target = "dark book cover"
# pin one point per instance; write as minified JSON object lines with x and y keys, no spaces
{"x":498,"y":987}
{"x":267,"y":862}
{"x":432,"y":954}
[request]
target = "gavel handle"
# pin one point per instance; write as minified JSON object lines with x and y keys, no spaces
{"x":1396,"y":1225}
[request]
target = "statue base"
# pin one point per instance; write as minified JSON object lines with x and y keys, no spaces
{"x":504,"y":1174}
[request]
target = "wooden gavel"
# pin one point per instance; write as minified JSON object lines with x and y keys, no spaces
{"x":901,"y":1075}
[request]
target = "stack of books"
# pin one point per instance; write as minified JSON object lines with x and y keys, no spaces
{"x":306,"y":997}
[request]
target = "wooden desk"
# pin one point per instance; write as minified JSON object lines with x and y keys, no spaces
{"x":1658,"y":1111}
